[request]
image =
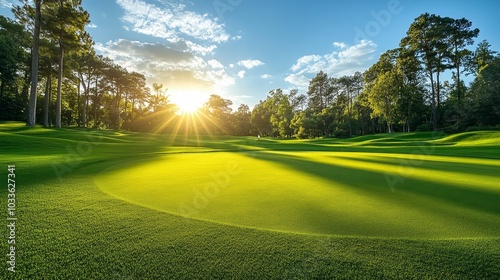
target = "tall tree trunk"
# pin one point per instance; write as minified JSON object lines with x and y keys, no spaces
{"x":459,"y":98}
{"x":2,"y":89}
{"x":78,"y":116}
{"x":59,"y":85}
{"x":86,"y":108}
{"x":118,"y":115}
{"x":126,"y":106}
{"x":83,"y":116}
{"x":438,"y":96}
{"x":95,"y":102}
{"x":84,"y":113}
{"x":433,"y":93}
{"x":34,"y":65}
{"x":86,"y":101}
{"x":48,"y":89}
{"x":349,"y":108}
{"x":132,"y":109}
{"x":408,"y":117}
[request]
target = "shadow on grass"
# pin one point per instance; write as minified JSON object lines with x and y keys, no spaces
{"x":374,"y":184}
{"x":426,"y":164}
{"x":479,"y":199}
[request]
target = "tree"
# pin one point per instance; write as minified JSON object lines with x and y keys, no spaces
{"x":241,"y":120}
{"x":281,"y":110}
{"x":319,"y":92}
{"x":411,"y":99}
{"x":137,"y":93}
{"x":426,"y":37}
{"x":482,"y":56}
{"x":297,"y":101}
{"x":14,"y":59}
{"x":363,"y":112}
{"x":34,"y":65}
{"x":486,"y":88}
{"x":320,"y":97}
{"x":260,"y":118}
{"x":460,"y":36}
{"x":383,"y":97}
{"x":114,"y":83}
{"x":12,"y":53}
{"x":160,"y":113}
{"x":100,"y":66}
{"x":48,"y":53}
{"x":83,"y":62}
{"x":218,"y":111}
{"x":350,"y":86}
{"x":65,"y":20}
{"x":306,"y":124}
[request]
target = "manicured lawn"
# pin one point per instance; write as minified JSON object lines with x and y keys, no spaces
{"x":118,"y":205}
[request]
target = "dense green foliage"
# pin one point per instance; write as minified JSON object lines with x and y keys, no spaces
{"x":70,"y":228}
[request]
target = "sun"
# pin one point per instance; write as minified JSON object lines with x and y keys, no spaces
{"x":188,"y":106}
{"x":189,"y":102}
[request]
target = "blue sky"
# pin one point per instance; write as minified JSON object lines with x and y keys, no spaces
{"x":242,"y":49}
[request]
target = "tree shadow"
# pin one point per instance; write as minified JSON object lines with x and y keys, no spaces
{"x":374,"y":184}
{"x":427,"y":164}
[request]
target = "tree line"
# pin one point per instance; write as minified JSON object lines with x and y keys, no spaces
{"x":50,"y":74}
{"x":405,"y":90}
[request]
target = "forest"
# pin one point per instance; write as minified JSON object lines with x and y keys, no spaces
{"x":51,"y":75}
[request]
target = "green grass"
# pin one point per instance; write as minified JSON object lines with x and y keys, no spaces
{"x":122,"y":205}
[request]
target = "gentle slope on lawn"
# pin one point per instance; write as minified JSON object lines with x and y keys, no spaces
{"x":69,"y":228}
{"x":320,"y":192}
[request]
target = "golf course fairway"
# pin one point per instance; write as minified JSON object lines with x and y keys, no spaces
{"x":104,"y":204}
{"x":318,"y":192}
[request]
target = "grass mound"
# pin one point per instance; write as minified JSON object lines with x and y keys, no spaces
{"x":319,"y":192}
{"x":476,"y":138}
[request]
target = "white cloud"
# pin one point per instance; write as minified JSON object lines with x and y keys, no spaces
{"x":250,"y":63}
{"x":174,"y":23}
{"x":305,"y":60}
{"x":167,"y":64}
{"x":217,"y":78}
{"x":91,"y":25}
{"x":203,"y":50}
{"x":5,"y":4}
{"x":123,"y":50}
{"x":298,"y":80}
{"x":364,"y":49}
{"x":339,"y":44}
{"x":266,"y":76}
{"x":214,"y":63}
{"x":241,"y":74}
{"x":344,"y":61}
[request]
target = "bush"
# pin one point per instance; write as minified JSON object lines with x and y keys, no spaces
{"x":422,"y":128}
{"x":341,"y":134}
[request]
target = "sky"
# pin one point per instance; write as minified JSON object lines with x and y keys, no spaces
{"x":242,"y":49}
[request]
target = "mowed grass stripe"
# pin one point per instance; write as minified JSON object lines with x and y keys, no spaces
{"x":404,"y":168}
{"x":305,"y":192}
